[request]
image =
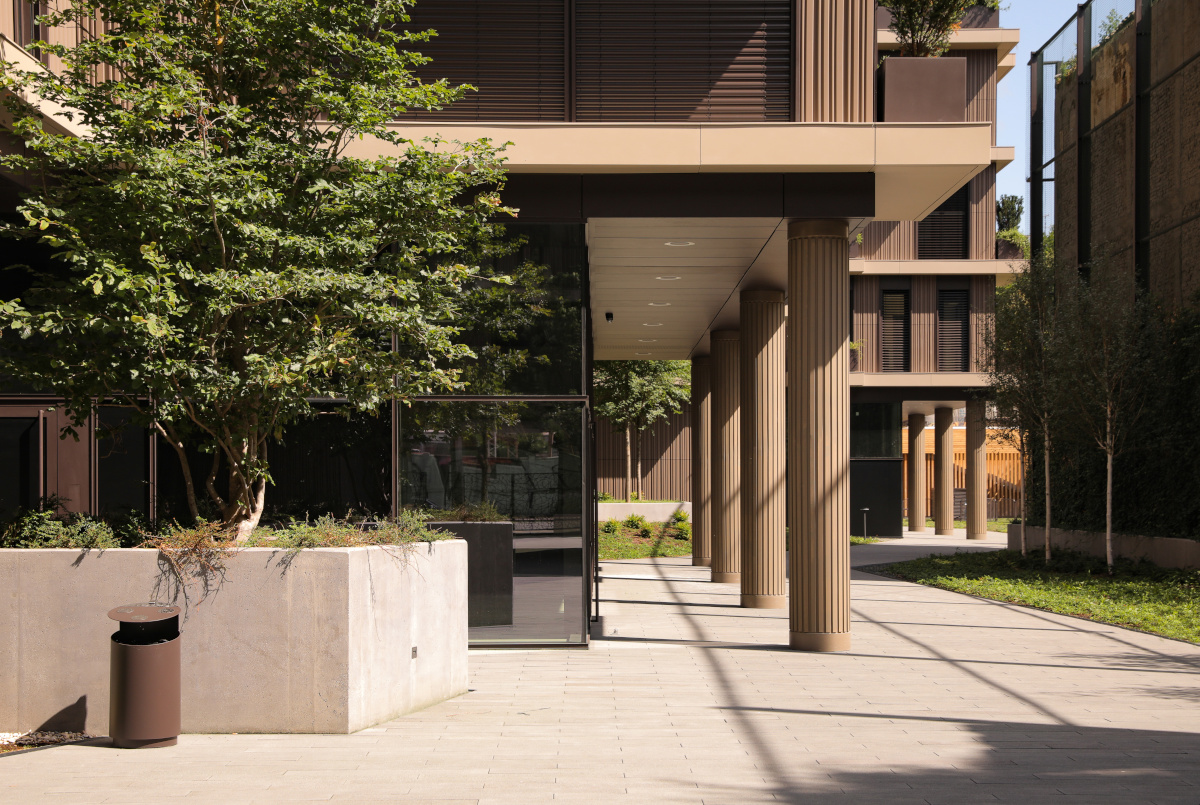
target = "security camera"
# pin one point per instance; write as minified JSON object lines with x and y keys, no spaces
{"x":608,"y":317}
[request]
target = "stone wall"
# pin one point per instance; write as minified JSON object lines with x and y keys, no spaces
{"x":316,"y":641}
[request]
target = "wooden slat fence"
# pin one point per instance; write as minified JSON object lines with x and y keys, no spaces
{"x":666,"y":459}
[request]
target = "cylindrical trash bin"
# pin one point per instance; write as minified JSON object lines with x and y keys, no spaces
{"x":144,"y":681}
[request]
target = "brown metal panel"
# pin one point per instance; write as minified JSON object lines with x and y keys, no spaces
{"x":981,"y":88}
{"x":514,"y":53}
{"x":70,"y":462}
{"x":983,"y":308}
{"x":674,"y":60}
{"x":981,"y":210}
{"x":834,"y":70}
{"x":866,"y":322}
{"x":924,"y":317}
{"x":890,"y":240}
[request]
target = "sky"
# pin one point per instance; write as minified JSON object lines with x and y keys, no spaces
{"x":1038,"y":21}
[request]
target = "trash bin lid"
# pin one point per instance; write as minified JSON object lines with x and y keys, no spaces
{"x":143,"y":613}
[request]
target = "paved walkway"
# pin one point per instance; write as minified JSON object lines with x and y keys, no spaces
{"x":688,"y":698}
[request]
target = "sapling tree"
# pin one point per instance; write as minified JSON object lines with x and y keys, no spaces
{"x":634,"y":395}
{"x":1024,"y":370}
{"x":223,"y":256}
{"x":1108,"y":341}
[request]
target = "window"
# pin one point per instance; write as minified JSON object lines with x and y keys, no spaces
{"x":953,"y":337}
{"x":895,"y":333}
{"x":943,"y":233}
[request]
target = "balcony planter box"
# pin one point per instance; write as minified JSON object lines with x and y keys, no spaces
{"x":1170,"y":552}
{"x":315,"y":641}
{"x":489,"y":570}
{"x":913,"y":90}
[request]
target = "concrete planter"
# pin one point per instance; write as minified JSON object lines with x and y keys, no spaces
{"x":330,"y":640}
{"x":653,"y":512}
{"x":914,"y":90}
{"x":1162,"y":551}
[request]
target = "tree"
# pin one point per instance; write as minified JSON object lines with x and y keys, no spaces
{"x":221,"y":258}
{"x":1009,"y":210}
{"x":1109,"y":339}
{"x":1024,"y":372}
{"x":636,"y":394}
{"x":923,"y":27}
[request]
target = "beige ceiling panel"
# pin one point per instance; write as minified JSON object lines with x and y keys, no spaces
{"x":910,"y":194}
{"x":660,"y":262}
{"x":1004,"y":40}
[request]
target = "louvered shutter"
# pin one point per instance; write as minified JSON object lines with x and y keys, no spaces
{"x":895,"y":342}
{"x":953,"y":337}
{"x":676,"y":60}
{"x":943,"y":233}
{"x":514,"y":53}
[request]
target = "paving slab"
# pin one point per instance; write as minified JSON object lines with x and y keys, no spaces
{"x":684,"y":697}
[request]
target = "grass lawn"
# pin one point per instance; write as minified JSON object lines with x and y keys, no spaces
{"x":992,"y":525}
{"x":621,"y":541}
{"x":1138,"y":595}
{"x":864,"y":540}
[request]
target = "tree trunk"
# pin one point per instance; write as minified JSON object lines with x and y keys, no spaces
{"x":250,"y":522}
{"x":189,"y":486}
{"x":628,"y":462}
{"x":1046,"y":470}
{"x":1108,"y":552}
{"x":637,"y":451}
{"x":1024,"y":516}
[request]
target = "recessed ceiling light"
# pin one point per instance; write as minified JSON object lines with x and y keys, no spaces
{"x":667,"y":278}
{"x":647,"y":340}
{"x":679,"y":243}
{"x":654,"y":324}
{"x":659,"y":304}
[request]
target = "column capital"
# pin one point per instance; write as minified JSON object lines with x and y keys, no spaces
{"x":818,"y":228}
{"x":762,"y":295}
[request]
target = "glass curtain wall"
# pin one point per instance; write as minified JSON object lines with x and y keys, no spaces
{"x":513,"y":447}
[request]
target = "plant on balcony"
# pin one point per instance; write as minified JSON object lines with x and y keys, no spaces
{"x":224,"y":255}
{"x":923,"y":27}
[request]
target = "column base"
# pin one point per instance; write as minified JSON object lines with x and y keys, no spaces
{"x":764,"y":601}
{"x":820,"y":641}
{"x":919,"y":530}
{"x":726,"y":578}
{"x":942,"y":532}
{"x":701,"y":561}
{"x":976,"y":536}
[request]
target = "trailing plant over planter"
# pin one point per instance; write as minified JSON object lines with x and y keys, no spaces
{"x":923,"y":27}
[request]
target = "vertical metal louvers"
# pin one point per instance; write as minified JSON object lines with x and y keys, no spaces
{"x":895,"y":341}
{"x":676,"y":60}
{"x":943,"y":233}
{"x":514,"y":53}
{"x":953,"y":339}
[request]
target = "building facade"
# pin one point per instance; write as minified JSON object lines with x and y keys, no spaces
{"x":741,"y":183}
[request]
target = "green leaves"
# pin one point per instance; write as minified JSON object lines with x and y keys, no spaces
{"x":220,"y":260}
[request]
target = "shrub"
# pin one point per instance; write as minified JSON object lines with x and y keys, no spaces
{"x":679,"y":516}
{"x":604,"y":497}
{"x":482,"y":512}
{"x":646,"y":532}
{"x":610,"y":526}
{"x":53,"y":528}
{"x":634,"y":521}
{"x":683,"y":530}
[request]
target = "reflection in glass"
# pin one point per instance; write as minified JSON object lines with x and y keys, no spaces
{"x":875,"y":430}
{"x":525,"y":460}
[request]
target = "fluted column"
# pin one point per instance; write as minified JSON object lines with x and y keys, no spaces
{"x":764,"y":495}
{"x":726,"y":458}
{"x":916,"y":473}
{"x":976,"y":469}
{"x":818,"y":420}
{"x":943,"y":471}
{"x":701,"y":463}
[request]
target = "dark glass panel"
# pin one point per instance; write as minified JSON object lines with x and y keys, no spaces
{"x":526,"y":460}
{"x":875,"y":430}
{"x":19,"y":445}
{"x":122,"y":464}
